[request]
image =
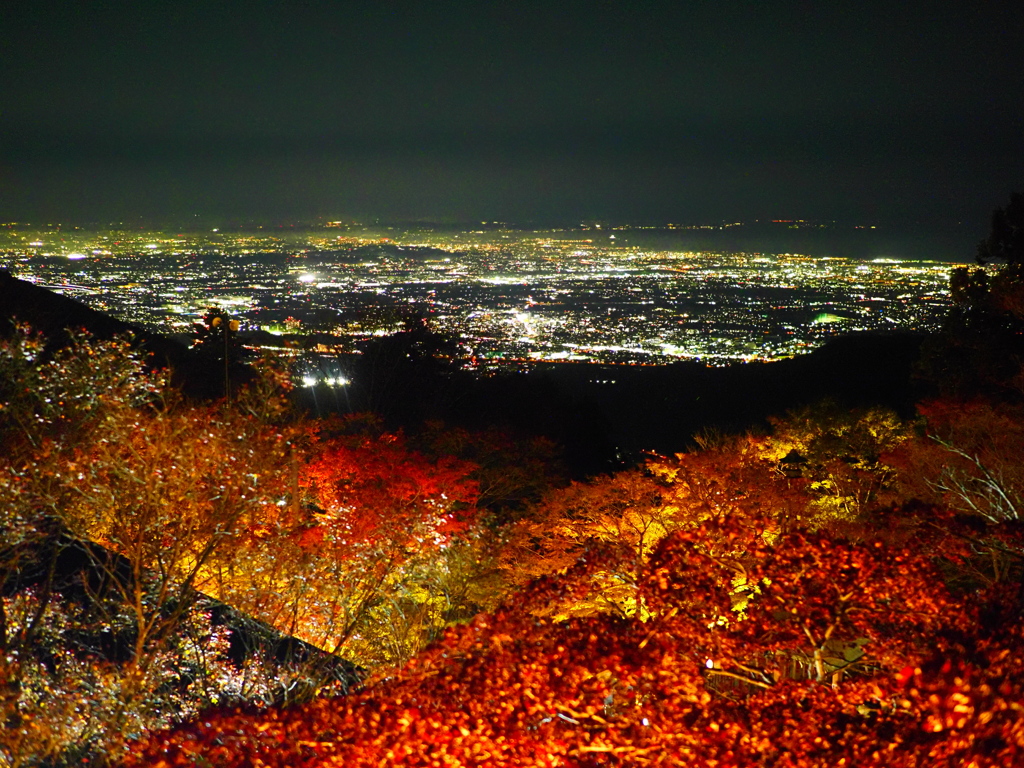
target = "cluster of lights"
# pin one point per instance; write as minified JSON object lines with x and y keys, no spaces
{"x":513,"y":297}
{"x":330,"y":381}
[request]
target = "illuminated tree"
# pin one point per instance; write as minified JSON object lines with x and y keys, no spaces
{"x":815,"y":600}
{"x":113,"y":497}
{"x":52,"y":404}
{"x":166,"y":491}
{"x":354,"y":564}
{"x":627,"y":510}
{"x":636,"y":509}
{"x":53,"y":399}
{"x":841,"y":454}
{"x":732,"y":477}
{"x":968,"y":460}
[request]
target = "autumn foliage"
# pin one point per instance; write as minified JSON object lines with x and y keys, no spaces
{"x":728,"y":605}
{"x":828,"y":652}
{"x":703,"y":610}
{"x":371,"y":488}
{"x":349,"y":557}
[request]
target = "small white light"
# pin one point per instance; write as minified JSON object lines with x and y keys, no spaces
{"x":709,"y":664}
{"x":309,"y":381}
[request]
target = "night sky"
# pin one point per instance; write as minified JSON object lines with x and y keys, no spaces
{"x":517,"y":111}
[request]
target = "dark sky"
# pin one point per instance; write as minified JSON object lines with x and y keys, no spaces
{"x":669,"y":111}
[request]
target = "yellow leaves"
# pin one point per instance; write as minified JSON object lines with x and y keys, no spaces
{"x":418,"y":593}
{"x":408,"y":716}
{"x":663,"y":470}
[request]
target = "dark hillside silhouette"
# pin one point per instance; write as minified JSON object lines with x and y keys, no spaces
{"x":662,"y":408}
{"x":54,"y":315}
{"x":607,"y":416}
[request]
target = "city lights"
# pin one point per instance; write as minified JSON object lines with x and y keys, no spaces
{"x":512,"y":297}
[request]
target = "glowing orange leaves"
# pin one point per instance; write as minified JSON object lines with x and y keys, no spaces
{"x":359,"y":554}
{"x":514,"y":690}
{"x":375,"y":488}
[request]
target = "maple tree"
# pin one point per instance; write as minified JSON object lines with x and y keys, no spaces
{"x":968,"y":458}
{"x":114,"y":495}
{"x":53,"y":399}
{"x":341,"y":535}
{"x":739,"y":476}
{"x":354,"y":561}
{"x":840,"y":452}
{"x":52,"y":402}
{"x":635,"y":509}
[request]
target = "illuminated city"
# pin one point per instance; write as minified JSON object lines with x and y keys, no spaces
{"x":512,"y":298}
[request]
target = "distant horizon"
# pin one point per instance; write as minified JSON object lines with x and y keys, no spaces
{"x":548,"y":222}
{"x":915,"y":240}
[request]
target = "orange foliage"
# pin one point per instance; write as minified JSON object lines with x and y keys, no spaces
{"x":367,"y":488}
{"x":636,"y":509}
{"x":739,"y":477}
{"x":969,"y":460}
{"x":347,"y":560}
{"x":933,"y":683}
